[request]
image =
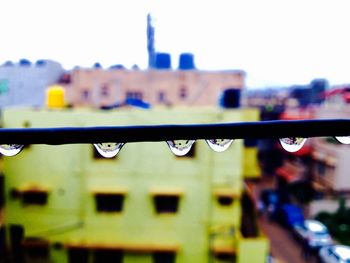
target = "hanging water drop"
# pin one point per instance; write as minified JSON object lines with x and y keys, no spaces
{"x":108,"y":149}
{"x":343,"y":139}
{"x":219,"y":145}
{"x":292,"y":144}
{"x":10,"y":149}
{"x":180,"y":147}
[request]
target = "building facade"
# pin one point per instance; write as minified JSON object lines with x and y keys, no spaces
{"x":99,"y":87}
{"x":68,"y":204}
{"x":24,"y":84}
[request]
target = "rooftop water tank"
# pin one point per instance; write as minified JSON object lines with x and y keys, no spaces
{"x":24,"y":62}
{"x":186,"y":61}
{"x":163,"y":61}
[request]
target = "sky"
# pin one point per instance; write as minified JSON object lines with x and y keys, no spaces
{"x":276,"y":42}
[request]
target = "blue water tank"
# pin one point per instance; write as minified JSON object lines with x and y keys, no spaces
{"x":117,"y":66}
{"x":24,"y":62}
{"x":230,"y":98}
{"x":8,"y":64}
{"x":163,"y":61}
{"x":97,"y":65}
{"x":40,"y":62}
{"x":186,"y":61}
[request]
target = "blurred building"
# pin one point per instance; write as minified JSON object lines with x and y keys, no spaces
{"x":330,"y":159}
{"x":24,"y":83}
{"x":108,"y":88}
{"x":69,"y":204}
{"x":317,"y":174}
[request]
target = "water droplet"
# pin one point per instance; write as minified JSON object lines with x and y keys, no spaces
{"x":180,"y":147}
{"x":292,"y":144}
{"x":10,"y":149}
{"x":108,"y":149}
{"x":343,"y":139}
{"x":219,"y":145}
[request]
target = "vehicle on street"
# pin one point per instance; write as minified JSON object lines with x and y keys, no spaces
{"x":335,"y":254}
{"x":289,"y":215}
{"x":313,"y":233}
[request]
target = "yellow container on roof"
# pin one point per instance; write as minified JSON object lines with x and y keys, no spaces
{"x":55,"y":97}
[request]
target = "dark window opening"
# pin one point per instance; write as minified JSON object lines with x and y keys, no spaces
{"x":36,"y":248}
{"x":107,"y":256}
{"x":225,"y":256}
{"x":161,"y":96}
{"x":164,"y":257}
{"x":166,"y":203}
{"x":321,"y":168}
{"x":104,"y":91}
{"x":85,"y":95}
{"x":65,"y":79}
{"x":109,"y":202}
{"x":134,"y":95}
{"x":183,"y":92}
{"x":129,"y":95}
{"x":225,"y":200}
{"x":138,"y":95}
{"x":14,"y":193}
{"x":34,"y":197}
{"x":16,"y":234}
{"x":3,"y":245}
{"x":80,"y":255}
{"x":16,"y":238}
{"x":57,"y":245}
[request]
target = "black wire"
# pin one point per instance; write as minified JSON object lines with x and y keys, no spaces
{"x":239,"y":130}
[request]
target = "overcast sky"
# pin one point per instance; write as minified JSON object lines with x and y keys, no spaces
{"x":277,"y":42}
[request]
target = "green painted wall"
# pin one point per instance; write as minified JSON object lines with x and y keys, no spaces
{"x":253,"y":250}
{"x":71,"y":175}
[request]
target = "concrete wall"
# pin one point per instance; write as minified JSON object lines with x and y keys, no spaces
{"x":72,"y":176}
{"x":25,"y":85}
{"x":157,"y":87}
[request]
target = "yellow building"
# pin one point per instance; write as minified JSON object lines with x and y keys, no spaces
{"x":66,"y":203}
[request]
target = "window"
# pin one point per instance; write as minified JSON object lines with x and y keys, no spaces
{"x":30,"y":196}
{"x":183,"y":92}
{"x":225,"y":256}
{"x":225,"y":200}
{"x":161,"y":96}
{"x":109,"y":202}
{"x":34,"y":197}
{"x":80,"y":255}
{"x":105,"y":90}
{"x":164,"y":257}
{"x":85,"y":255}
{"x":16,"y":241}
{"x":36,"y":249}
{"x":225,"y":197}
{"x":65,"y":79}
{"x":85,"y":94}
{"x":321,"y":168}
{"x":134,"y":95}
{"x":166,"y":203}
{"x":107,"y":256}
